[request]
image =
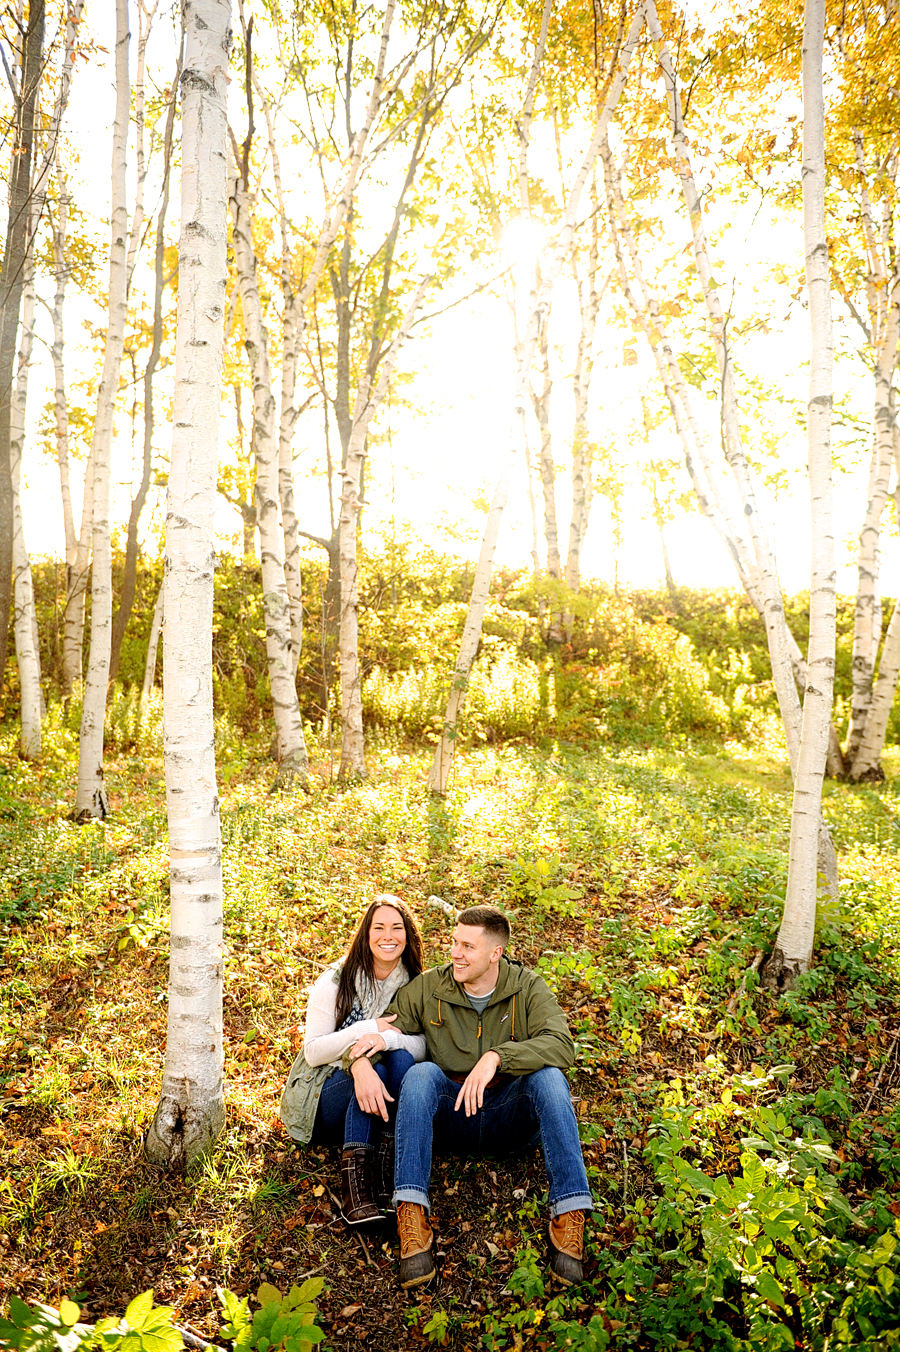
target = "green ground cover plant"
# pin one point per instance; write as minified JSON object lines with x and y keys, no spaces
{"x":744,"y":1153}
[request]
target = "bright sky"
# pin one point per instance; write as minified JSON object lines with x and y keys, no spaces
{"x":437,"y":463}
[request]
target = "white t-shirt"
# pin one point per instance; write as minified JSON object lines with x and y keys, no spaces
{"x":323,"y":1044}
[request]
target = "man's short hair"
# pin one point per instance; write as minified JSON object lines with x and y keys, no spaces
{"x":490,"y":919}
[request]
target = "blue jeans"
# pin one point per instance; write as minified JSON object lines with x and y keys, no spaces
{"x":527,"y":1111}
{"x":339,"y":1118}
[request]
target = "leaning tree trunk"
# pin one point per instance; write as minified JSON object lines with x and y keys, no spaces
{"x":25,"y":624}
{"x":867,"y":613}
{"x":293,"y":762}
{"x":191,"y":1111}
{"x":794,"y":946}
{"x":12,"y":274}
{"x":153,"y":643}
{"x":91,"y":801}
{"x":782,"y":648}
{"x":439,"y":773}
{"x":353,"y":758}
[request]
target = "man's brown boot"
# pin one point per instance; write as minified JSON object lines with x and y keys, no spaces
{"x":416,"y":1240}
{"x":567,"y":1247}
{"x":357,"y":1167}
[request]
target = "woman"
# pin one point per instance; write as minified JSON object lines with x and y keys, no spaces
{"x":324,"y":1104}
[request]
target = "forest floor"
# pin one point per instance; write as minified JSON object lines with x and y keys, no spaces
{"x":643,"y":882}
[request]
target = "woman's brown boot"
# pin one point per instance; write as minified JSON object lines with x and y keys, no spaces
{"x":357,"y":1166}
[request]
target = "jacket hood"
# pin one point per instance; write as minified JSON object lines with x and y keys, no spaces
{"x":511,"y":976}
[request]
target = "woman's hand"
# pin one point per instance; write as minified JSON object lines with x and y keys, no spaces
{"x":385,"y":1021}
{"x":371,"y":1094}
{"x":368,"y":1045}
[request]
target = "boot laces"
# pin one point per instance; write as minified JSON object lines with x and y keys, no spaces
{"x":571,"y":1228}
{"x":410,"y":1225}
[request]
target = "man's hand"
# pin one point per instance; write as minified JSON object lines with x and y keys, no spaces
{"x":368,"y":1045}
{"x":475,"y":1083}
{"x":371,"y":1094}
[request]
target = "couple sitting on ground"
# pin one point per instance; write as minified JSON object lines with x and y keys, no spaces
{"x":493,"y":1083}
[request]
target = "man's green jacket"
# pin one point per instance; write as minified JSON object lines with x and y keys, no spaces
{"x":522,"y":1021}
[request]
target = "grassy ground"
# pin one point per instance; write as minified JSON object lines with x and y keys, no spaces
{"x":642,"y":884}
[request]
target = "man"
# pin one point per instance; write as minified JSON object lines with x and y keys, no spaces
{"x":498,"y":1045}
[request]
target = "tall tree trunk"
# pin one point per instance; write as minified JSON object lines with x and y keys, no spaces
{"x":25,"y":621}
{"x":153,"y":642}
{"x":794,"y":945}
{"x":293,"y":761}
{"x":867,"y":612}
{"x":77,"y":546}
{"x":582,"y":481}
{"x":291,"y":332}
{"x":191,"y":1110}
{"x":12,"y":276}
{"x":91,"y":800}
{"x":867,"y":762}
{"x":471,"y":635}
{"x":353,"y":760}
{"x":548,"y":471}
{"x":129,"y":577}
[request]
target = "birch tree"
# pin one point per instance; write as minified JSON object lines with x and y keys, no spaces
{"x":25,"y":624}
{"x":291,"y":747}
{"x":794,"y":945}
{"x":12,"y":275}
{"x":129,"y":574}
{"x":443,"y":757}
{"x":77,"y":545}
{"x":191,"y":1110}
{"x":91,"y":801}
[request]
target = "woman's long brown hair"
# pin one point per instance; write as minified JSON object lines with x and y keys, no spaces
{"x":361,"y":959}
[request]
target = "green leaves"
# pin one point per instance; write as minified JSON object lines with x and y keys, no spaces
{"x":287,"y":1322}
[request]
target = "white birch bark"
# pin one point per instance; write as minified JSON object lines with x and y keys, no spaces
{"x":293,"y":762}
{"x":153,"y":643}
{"x":353,"y":760}
{"x":191,"y":1110}
{"x":471,"y":635}
{"x":24,"y":618}
{"x":867,"y":762}
{"x":794,"y":946}
{"x":91,"y":800}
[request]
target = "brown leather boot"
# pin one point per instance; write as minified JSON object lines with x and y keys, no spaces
{"x":357,"y":1167}
{"x":567,"y":1248}
{"x":416,"y":1240}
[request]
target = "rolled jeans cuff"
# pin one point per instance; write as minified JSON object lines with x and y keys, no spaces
{"x":412,"y":1195}
{"x":581,"y":1201}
